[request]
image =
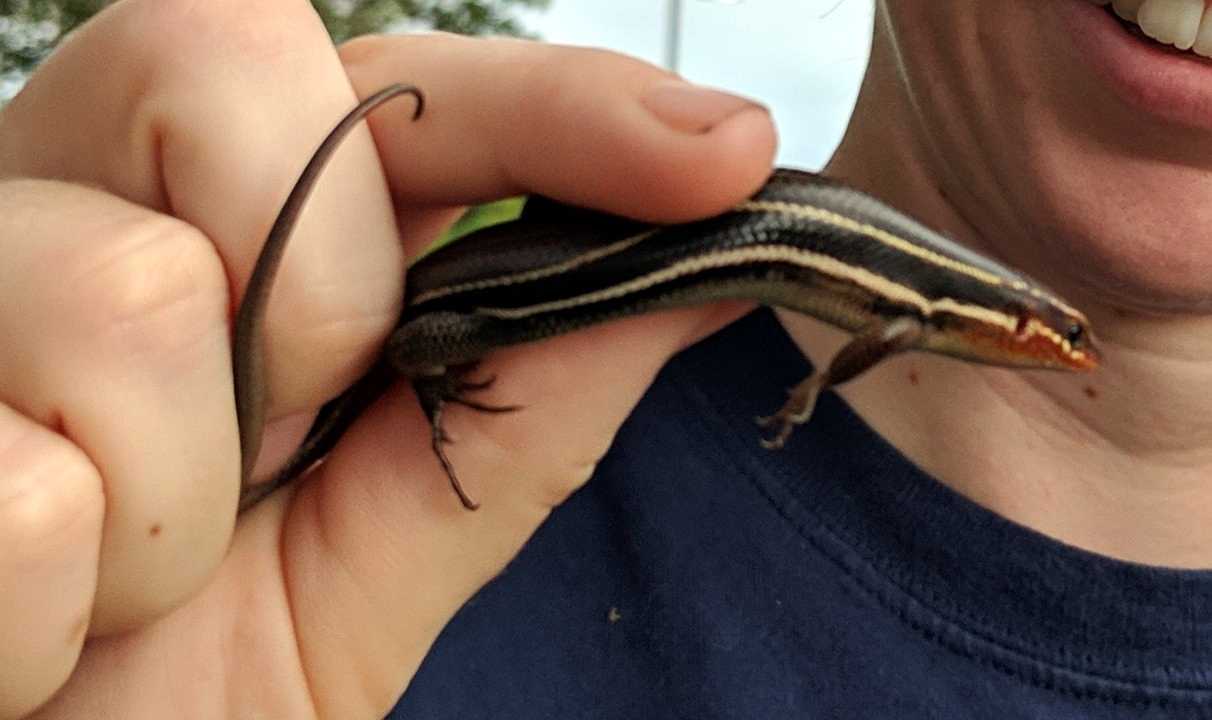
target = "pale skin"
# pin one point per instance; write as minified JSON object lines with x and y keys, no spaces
{"x":135,"y":200}
{"x":1016,"y":149}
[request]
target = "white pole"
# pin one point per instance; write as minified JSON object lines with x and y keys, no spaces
{"x":673,"y":30}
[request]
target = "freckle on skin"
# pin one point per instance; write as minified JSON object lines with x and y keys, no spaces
{"x":155,"y":530}
{"x":1091,"y":392}
{"x":914,"y":379}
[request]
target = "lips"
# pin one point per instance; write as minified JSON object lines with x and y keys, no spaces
{"x":1161,"y":75}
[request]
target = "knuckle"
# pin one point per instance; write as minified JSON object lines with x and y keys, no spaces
{"x":156,"y":287}
{"x":556,"y":69}
{"x":571,"y":94}
{"x":50,"y":494}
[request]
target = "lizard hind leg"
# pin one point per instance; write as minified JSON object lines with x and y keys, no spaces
{"x":862,"y":353}
{"x":451,"y":386}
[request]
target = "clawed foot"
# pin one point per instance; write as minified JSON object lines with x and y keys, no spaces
{"x":435,"y":393}
{"x":796,"y":411}
{"x":439,"y":440}
{"x":781,"y":423}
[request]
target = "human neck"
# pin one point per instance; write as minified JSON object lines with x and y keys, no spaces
{"x":1118,"y":462}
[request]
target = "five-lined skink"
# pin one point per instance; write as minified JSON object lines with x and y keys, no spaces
{"x":803,"y":242}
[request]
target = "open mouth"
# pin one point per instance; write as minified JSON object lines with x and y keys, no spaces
{"x":1156,"y":55}
{"x":1184,"y":26}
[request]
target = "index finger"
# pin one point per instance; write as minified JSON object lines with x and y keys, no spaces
{"x":604,"y":130}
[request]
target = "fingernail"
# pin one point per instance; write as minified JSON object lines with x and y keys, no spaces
{"x":691,"y":108}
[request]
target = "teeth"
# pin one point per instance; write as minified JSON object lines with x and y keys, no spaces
{"x":1172,"y":22}
{"x":1126,"y":9}
{"x":1183,"y":24}
{"x":1203,"y":38}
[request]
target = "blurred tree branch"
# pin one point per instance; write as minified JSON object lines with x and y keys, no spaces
{"x":350,"y":18}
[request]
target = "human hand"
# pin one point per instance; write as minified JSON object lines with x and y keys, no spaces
{"x":141,"y":169}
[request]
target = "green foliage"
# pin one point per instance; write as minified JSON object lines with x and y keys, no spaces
{"x":482,"y":216}
{"x":350,"y":18}
{"x":30,"y":29}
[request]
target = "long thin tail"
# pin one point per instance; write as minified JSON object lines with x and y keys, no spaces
{"x":248,"y":361}
{"x":330,"y":425}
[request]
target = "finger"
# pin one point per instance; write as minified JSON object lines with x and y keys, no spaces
{"x":209,"y":112}
{"x":113,"y":329}
{"x":584,"y":126}
{"x":50,"y":528}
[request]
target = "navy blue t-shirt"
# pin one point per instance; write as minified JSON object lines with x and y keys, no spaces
{"x":698,"y":576}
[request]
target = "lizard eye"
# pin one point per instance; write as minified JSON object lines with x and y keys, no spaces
{"x":1075,"y":334}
